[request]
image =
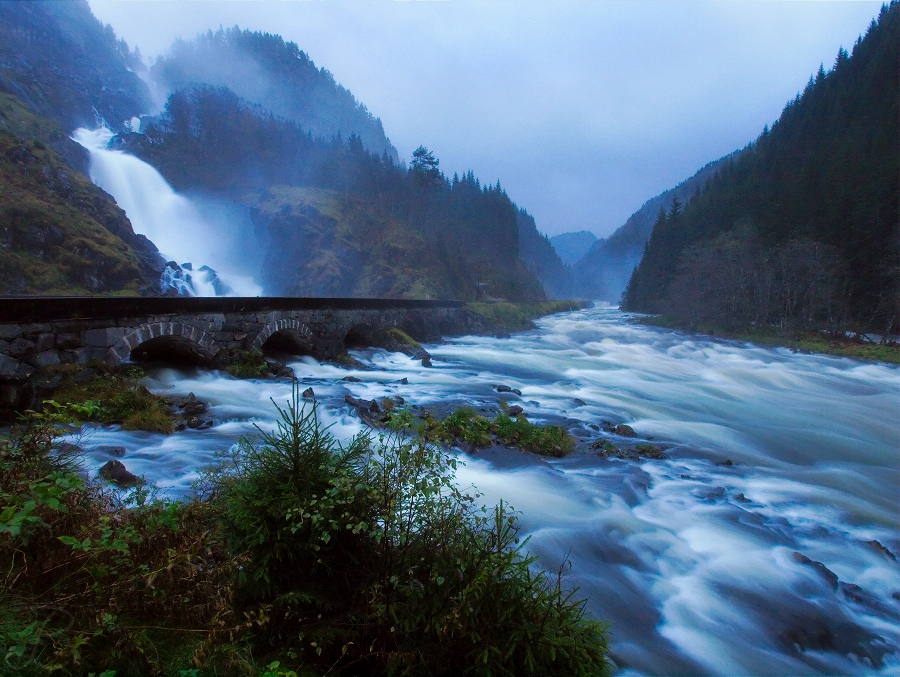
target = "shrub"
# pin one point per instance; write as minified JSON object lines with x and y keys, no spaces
{"x":306,"y":557}
{"x":402,"y":573}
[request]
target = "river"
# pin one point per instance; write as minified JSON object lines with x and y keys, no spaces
{"x":781,"y":471}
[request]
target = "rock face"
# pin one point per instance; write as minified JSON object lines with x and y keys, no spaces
{"x":115,"y":471}
{"x":62,"y":62}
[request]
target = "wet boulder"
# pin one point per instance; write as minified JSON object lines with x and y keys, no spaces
{"x":826,"y":573}
{"x":624,"y":430}
{"x":115,"y":471}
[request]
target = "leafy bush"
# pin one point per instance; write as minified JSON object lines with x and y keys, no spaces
{"x":470,"y":428}
{"x":547,"y":440}
{"x":402,"y":572}
{"x":306,"y":557}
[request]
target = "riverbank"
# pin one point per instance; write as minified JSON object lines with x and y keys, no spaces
{"x":806,"y":342}
{"x":501,"y":316}
{"x":302,"y":555}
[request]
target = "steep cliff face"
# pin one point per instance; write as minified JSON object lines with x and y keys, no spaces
{"x":64,"y":64}
{"x":59,"y":233}
{"x":324,"y":243}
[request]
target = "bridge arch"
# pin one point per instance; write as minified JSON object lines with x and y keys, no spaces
{"x":360,"y":336}
{"x":180,"y":339}
{"x":287,"y":334}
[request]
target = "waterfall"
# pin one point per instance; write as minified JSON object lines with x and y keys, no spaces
{"x":171,"y":221}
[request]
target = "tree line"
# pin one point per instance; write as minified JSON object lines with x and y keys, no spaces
{"x":801,"y":228}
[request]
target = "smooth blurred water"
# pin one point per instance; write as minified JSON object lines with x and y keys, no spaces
{"x":171,"y":221}
{"x":690,"y":558}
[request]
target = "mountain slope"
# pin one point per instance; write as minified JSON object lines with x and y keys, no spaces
{"x":264,"y":70}
{"x":59,"y":233}
{"x":572,"y":246}
{"x":464,"y":236}
{"x":800,"y":229}
{"x":542,"y":259}
{"x":603,"y":272}
{"x":64,"y":64}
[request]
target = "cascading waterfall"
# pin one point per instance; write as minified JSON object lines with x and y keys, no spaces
{"x":691,"y":557}
{"x":171,"y":221}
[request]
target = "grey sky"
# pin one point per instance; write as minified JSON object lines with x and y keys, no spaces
{"x":583,"y":109}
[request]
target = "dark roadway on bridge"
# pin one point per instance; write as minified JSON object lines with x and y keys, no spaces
{"x":42,"y":308}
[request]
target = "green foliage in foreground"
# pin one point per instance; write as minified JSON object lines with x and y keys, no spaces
{"x":468,"y":427}
{"x":519,"y":316}
{"x":302,"y":556}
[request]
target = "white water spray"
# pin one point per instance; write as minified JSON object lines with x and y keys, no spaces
{"x":691,"y":557}
{"x":171,"y":221}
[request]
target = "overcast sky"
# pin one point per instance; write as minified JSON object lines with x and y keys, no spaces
{"x":582,"y":109}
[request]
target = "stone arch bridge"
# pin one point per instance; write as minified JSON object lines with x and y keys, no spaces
{"x":40,"y":332}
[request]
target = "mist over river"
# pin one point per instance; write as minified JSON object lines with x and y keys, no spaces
{"x":748,"y":550}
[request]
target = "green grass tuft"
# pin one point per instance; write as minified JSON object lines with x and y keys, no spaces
{"x":519,"y":316}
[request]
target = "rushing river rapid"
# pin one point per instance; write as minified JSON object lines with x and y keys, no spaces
{"x":763,"y":544}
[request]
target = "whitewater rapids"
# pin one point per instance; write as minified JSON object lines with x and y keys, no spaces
{"x":691,"y":558}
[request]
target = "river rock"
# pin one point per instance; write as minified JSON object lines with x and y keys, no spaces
{"x":115,"y":472}
{"x":514,"y":410}
{"x":68,"y":449}
{"x":194,"y":422}
{"x":506,"y":389}
{"x":195,"y":408}
{"x":112,"y":450}
{"x":624,"y":430}
{"x":368,"y":411}
{"x":826,"y":573}
{"x":352,"y":379}
{"x":309,"y":394}
{"x":878,"y":547}
{"x":578,"y":402}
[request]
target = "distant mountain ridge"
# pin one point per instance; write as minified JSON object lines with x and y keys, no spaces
{"x":572,"y":246}
{"x":263,"y":69}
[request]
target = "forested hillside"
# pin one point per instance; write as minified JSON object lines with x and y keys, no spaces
{"x":801,"y":229}
{"x":265,"y":70}
{"x":418,"y":233}
{"x":64,"y":64}
{"x":603,"y":272}
{"x":542,"y":259}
